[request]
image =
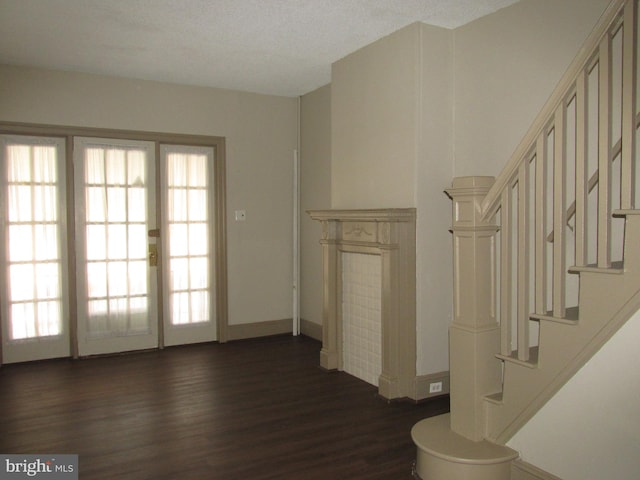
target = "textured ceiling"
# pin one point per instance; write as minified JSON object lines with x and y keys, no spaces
{"x":281,"y":47}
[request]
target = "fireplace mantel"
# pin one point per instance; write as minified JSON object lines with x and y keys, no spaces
{"x":391,"y":234}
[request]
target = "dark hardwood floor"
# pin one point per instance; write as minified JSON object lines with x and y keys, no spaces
{"x":255,"y":409}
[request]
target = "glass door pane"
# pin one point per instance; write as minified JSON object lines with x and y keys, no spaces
{"x":33,"y":264}
{"x":115,"y":191}
{"x":187,"y":196}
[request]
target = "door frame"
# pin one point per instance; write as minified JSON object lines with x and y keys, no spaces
{"x":219,"y":220}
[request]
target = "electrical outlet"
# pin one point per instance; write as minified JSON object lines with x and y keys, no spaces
{"x":435,"y":387}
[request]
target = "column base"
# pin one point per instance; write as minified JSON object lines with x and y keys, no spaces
{"x":443,"y":454}
{"x":328,"y":360}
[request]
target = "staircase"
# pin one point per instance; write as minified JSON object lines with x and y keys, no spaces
{"x":546,"y":263}
{"x":608,"y":298}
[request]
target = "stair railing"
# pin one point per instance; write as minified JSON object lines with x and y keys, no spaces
{"x":593,"y":181}
{"x":575,"y":166}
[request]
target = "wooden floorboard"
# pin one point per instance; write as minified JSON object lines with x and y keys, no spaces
{"x":253,"y":409}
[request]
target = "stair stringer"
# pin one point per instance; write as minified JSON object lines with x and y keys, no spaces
{"x":606,"y":302}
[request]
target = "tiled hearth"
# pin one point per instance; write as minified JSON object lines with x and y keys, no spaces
{"x":369,"y":300}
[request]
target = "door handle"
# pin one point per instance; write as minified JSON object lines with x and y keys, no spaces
{"x":153,"y":255}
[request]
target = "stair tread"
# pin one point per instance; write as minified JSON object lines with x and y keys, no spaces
{"x":616,"y":268}
{"x":625,"y":212}
{"x":513,"y":358}
{"x":571,"y":316}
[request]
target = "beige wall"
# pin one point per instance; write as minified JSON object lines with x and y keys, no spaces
{"x":589,"y":430}
{"x":373,"y":124}
{"x":422,"y":105}
{"x":506,"y":66}
{"x":391,"y":124}
{"x":434,"y":172}
{"x":260,"y":133}
{"x":315,"y":194}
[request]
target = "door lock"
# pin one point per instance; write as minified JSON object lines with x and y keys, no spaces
{"x":153,"y":255}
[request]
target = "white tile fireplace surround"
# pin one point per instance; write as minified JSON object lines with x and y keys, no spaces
{"x":361,"y":316}
{"x":369,"y":298}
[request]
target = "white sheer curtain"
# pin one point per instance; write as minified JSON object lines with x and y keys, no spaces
{"x":33,"y":233}
{"x":116,"y":240}
{"x":187,"y":219}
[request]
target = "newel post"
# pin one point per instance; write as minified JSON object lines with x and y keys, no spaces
{"x":474,"y":336}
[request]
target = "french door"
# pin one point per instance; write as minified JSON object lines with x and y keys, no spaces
{"x":33,"y":262}
{"x":143,"y":247}
{"x":187,"y":199}
{"x":115,"y":209}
